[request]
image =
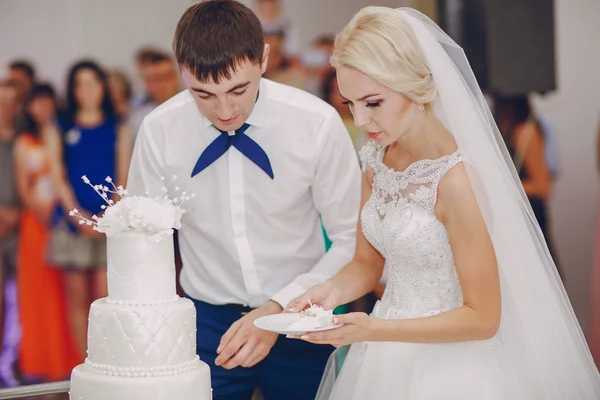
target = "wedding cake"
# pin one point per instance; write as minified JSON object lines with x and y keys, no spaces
{"x":142,"y":337}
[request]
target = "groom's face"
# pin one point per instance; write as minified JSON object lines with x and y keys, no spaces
{"x":228,"y":103}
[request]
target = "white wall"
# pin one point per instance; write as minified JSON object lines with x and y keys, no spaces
{"x":575,"y":110}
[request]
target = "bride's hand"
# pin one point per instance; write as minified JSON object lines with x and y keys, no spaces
{"x":324,"y":295}
{"x":357,"y":327}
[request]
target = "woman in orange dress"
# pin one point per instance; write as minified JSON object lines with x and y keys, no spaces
{"x":47,"y":352}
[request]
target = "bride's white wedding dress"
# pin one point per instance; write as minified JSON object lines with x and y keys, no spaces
{"x":399,"y":221}
{"x":539,"y":352}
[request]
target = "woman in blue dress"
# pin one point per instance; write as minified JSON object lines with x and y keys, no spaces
{"x":91,"y":142}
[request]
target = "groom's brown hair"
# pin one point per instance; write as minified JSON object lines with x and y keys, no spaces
{"x":213,"y":36}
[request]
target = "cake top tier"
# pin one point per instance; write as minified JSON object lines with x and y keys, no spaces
{"x":157,"y":215}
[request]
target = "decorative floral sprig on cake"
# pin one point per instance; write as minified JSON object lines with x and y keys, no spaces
{"x":157,"y":216}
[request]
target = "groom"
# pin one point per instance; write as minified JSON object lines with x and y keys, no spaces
{"x":267,"y":164}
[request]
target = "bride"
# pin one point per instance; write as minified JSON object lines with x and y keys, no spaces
{"x":473,"y":307}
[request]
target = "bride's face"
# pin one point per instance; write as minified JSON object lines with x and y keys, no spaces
{"x":384,"y":114}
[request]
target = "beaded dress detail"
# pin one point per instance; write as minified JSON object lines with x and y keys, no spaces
{"x":399,"y":221}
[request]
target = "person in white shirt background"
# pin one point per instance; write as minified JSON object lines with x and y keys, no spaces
{"x":271,"y":15}
{"x":268,"y":164}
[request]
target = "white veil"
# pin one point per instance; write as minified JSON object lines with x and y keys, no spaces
{"x":539,"y":331}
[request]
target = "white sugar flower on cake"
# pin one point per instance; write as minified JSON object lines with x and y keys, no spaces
{"x":156,"y":216}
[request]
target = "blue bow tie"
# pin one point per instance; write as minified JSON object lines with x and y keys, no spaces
{"x":240,"y":141}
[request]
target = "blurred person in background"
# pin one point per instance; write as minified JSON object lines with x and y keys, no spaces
{"x":525,"y":139}
{"x":140,"y":97}
{"x":9,"y":222}
{"x":23,"y":75}
{"x":273,"y":19}
{"x":279,"y":66}
{"x":47,"y":352}
{"x":121,"y":93}
{"x":160,"y":77}
{"x":93,"y":144}
{"x":142,"y":56}
{"x":316,"y":63}
{"x":549,"y":131}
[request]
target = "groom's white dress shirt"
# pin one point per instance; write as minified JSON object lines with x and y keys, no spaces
{"x":247,"y":238}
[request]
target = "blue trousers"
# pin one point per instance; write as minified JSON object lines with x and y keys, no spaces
{"x":292,"y":370}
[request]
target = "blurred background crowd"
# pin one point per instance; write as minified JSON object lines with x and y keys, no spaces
{"x":80,"y":76}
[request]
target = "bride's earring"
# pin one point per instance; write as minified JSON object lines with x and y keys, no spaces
{"x":421,"y":107}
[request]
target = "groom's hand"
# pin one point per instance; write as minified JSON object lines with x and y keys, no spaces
{"x":244,"y":344}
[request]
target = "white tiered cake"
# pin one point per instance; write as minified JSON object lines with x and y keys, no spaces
{"x":142,"y":337}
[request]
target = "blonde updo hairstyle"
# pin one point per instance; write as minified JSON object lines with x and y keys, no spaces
{"x":379,"y":43}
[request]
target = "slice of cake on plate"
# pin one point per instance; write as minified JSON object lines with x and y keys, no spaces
{"x":313,"y":318}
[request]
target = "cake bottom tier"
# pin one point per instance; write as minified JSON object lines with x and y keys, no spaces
{"x":190,"y":385}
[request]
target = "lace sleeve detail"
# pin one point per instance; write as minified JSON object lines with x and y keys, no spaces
{"x":427,"y":179}
{"x":453,"y":160}
{"x":370,"y":155}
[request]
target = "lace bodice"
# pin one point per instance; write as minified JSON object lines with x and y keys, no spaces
{"x":399,"y":221}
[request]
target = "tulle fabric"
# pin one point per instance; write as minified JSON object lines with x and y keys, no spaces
{"x":376,"y":370}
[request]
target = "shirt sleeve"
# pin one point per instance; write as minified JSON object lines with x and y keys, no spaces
{"x":336,"y":194}
{"x":147,"y":163}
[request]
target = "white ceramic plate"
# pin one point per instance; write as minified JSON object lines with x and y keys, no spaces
{"x":280,"y":323}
